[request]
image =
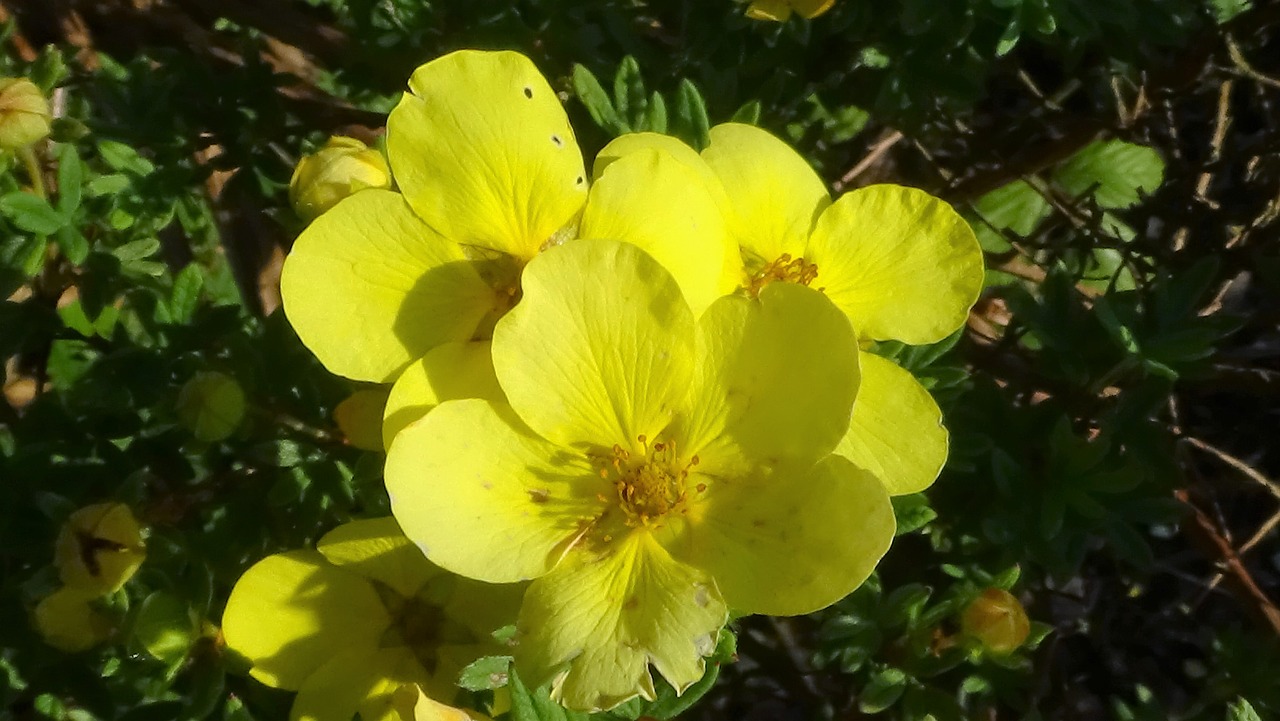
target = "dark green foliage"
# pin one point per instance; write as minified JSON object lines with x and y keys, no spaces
{"x":1111,"y":404}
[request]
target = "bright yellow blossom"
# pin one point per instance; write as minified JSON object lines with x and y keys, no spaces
{"x":342,"y":167}
{"x":24,"y":114}
{"x":99,"y":548}
{"x":650,"y":469}
{"x":349,"y":623}
{"x":489,"y":174}
{"x":901,"y":264}
{"x":780,"y":10}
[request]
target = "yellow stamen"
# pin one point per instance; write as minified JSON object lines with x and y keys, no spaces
{"x":785,"y":269}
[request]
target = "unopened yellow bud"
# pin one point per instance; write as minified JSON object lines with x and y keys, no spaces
{"x":359,"y":417}
{"x":342,"y":167}
{"x":99,"y":548}
{"x":997,"y":620}
{"x":211,"y":405}
{"x":24,"y":113}
{"x":67,"y":620}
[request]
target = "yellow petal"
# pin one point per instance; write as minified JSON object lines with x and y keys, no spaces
{"x":452,"y":371}
{"x":812,"y":8}
{"x":342,"y":167}
{"x":482,"y":149}
{"x":896,"y":432}
{"x":775,"y":195}
{"x":67,"y":620}
{"x":99,"y":548}
{"x":359,"y":417}
{"x":483,"y":496}
{"x":356,"y":679}
{"x":777,"y":380}
{"x":595,"y":624}
{"x":369,"y":288}
{"x":789,"y":541}
{"x":629,"y":143}
{"x":414,"y":705}
{"x":484,"y":607}
{"x":376,"y":549}
{"x":666,"y":208}
{"x":291,"y":612}
{"x":901,"y":263}
{"x":599,"y":350}
{"x":775,"y":10}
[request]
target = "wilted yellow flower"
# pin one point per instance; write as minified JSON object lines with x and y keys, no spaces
{"x":364,"y":614}
{"x":67,"y":620}
{"x":359,"y":417}
{"x":342,"y":167}
{"x":997,"y":620}
{"x":99,"y":548}
{"x":650,"y":469}
{"x":211,"y":405}
{"x":24,"y":113}
{"x":780,"y":10}
{"x":901,"y":264}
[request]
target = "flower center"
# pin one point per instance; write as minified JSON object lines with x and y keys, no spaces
{"x":648,"y":487}
{"x":785,"y":269}
{"x":420,"y":624}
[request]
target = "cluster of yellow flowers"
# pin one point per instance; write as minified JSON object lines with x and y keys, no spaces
{"x":623,"y":401}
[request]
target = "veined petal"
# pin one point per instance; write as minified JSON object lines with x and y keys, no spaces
{"x":776,"y":382}
{"x":484,"y":607}
{"x":600,"y":349}
{"x":448,"y":372}
{"x":483,"y":151}
{"x":629,"y":143}
{"x":593,"y":625}
{"x":357,"y":679}
{"x":369,"y":288}
{"x":290,"y":612}
{"x":377,"y":549}
{"x":666,"y":208}
{"x":896,"y":431}
{"x":775,"y":195}
{"x":485,"y":497}
{"x":792,"y":540}
{"x":901,"y":263}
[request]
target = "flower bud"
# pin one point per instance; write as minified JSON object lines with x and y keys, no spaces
{"x":211,"y":405}
{"x":780,"y":10}
{"x":67,"y":620}
{"x":359,"y":417}
{"x":99,"y":548}
{"x":24,"y":113}
{"x":997,"y":620}
{"x":343,"y":166}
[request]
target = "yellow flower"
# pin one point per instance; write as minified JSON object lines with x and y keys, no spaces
{"x":650,"y":470}
{"x":24,"y":113}
{"x":414,"y":705}
{"x":342,"y":167}
{"x":490,"y":175}
{"x":901,"y":264}
{"x":359,"y":417}
{"x":349,"y":623}
{"x":99,"y":548}
{"x":67,"y":620}
{"x":996,"y":620}
{"x":780,"y":10}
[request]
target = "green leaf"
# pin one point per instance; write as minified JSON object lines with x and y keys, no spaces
{"x":49,"y":69}
{"x":691,"y":121}
{"x":655,"y":117}
{"x":1227,"y":10}
{"x":594,"y":98}
{"x":629,"y":94}
{"x":106,"y":185}
{"x":1119,"y":171}
{"x":122,"y":158}
{"x":536,"y":705}
{"x":913,"y":512}
{"x":185,"y":295}
{"x":749,"y":113}
{"x":165,"y":627}
{"x":31,"y":213}
{"x":1017,"y":207}
{"x":70,"y":179}
{"x":486,"y":673}
{"x":883,"y":690}
{"x":1242,"y":710}
{"x":137,"y":250}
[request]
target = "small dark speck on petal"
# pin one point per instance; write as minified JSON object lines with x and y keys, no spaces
{"x":528,"y":93}
{"x":556,"y":139}
{"x":579,"y":182}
